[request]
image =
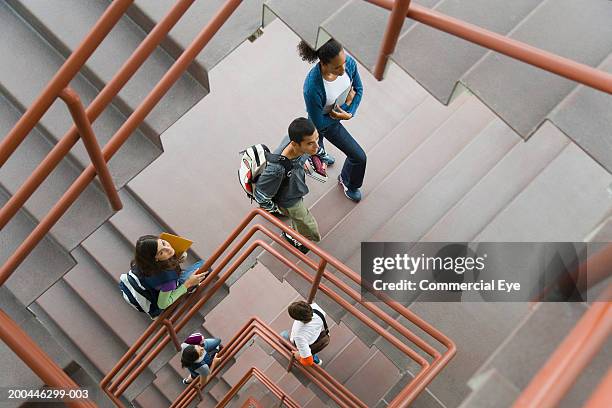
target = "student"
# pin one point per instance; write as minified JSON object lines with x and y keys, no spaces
{"x":309,"y":332}
{"x":199,"y":356}
{"x":327,"y":80}
{"x":277,"y":191}
{"x":158,"y":268}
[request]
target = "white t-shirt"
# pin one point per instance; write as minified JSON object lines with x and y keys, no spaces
{"x":333,"y":89}
{"x":304,"y":334}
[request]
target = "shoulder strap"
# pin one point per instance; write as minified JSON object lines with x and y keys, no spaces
{"x":322,"y":318}
{"x":282,"y":160}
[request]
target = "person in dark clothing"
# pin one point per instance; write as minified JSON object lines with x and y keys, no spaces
{"x":326,"y":83}
{"x":284,"y":193}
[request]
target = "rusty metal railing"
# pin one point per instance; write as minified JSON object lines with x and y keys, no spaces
{"x":254,"y":372}
{"x":149,"y":345}
{"x":255,"y":327}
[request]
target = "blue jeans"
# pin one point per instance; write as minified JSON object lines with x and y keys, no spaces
{"x":285,"y":335}
{"x":355,"y":163}
{"x":210,"y":345}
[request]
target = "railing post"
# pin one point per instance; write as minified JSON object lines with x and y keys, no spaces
{"x":83,"y":124}
{"x":172,"y":334}
{"x":394,"y":27}
{"x":316,"y":281}
{"x":291,"y":360}
{"x":35,"y":358}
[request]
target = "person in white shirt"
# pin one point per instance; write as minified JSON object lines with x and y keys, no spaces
{"x":309,"y":332}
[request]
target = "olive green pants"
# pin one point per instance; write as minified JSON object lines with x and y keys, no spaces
{"x":302,"y":221}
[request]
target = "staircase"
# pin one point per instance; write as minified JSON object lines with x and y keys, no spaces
{"x":69,"y":282}
{"x":435,"y":173}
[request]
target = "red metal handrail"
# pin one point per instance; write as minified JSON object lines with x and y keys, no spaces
{"x":521,"y":51}
{"x":62,"y":78}
{"x":35,"y":358}
{"x":256,"y":327}
{"x":266,"y":381}
{"x":562,"y":369}
{"x":182,"y":311}
{"x":603,"y":394}
{"x":73,"y":101}
{"x":94,"y":110}
{"x":57,"y":88}
{"x":119,"y":138}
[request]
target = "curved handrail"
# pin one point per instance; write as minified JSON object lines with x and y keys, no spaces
{"x":256,"y":327}
{"x":184,"y":309}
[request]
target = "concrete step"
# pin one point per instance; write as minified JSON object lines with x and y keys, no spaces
{"x":425,"y":399}
{"x":585,"y":116}
{"x":372,"y":22}
{"x":47,"y":263}
{"x":520,"y":357}
{"x":151,"y":397}
{"x":66,"y":34}
{"x":372,"y":380}
{"x":542,"y":90}
{"x":84,"y":330}
{"x":21,"y":85}
{"x":564,"y":203}
{"x":242,"y":24}
{"x":417,"y":49}
{"x":15,"y":372}
{"x":499,"y":187}
{"x":92,"y":284}
{"x":304,"y":18}
{"x":493,"y":391}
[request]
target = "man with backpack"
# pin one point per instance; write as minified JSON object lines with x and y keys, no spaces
{"x":281,"y":187}
{"x":309,"y":332}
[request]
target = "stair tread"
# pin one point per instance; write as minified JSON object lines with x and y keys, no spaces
{"x":376,"y":367}
{"x":372,"y":22}
{"x":494,"y":390}
{"x":416,"y":51}
{"x":586,"y":117}
{"x":153,"y":398}
{"x":305,"y":17}
{"x":116,"y":48}
{"x":47,"y":262}
{"x":244,"y":22}
{"x":104,"y":297}
{"x":528,"y":94}
{"x":564,"y":203}
{"x":496,"y":189}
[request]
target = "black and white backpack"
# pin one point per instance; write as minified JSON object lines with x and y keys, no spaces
{"x":253,"y":162}
{"x":138,"y":295}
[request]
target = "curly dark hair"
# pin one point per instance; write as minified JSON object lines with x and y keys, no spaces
{"x":326,"y":53}
{"x":144,"y":257}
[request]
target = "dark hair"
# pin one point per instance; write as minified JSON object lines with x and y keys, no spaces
{"x":326,"y":53}
{"x":301,"y":311}
{"x":144,"y":257}
{"x":189,"y":356}
{"x":299,"y":129}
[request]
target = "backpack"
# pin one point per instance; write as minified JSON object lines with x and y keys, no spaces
{"x":138,"y":295}
{"x":253,"y":162}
